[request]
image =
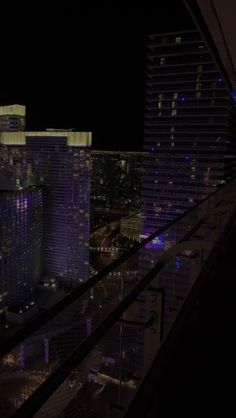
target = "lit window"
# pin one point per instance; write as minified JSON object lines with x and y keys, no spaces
{"x":175,"y":95}
{"x":172,"y":144}
{"x":174,"y":112}
{"x":173,"y":104}
{"x":198,"y":86}
{"x":162,"y":61}
{"x":199,"y":68}
{"x":178,"y":39}
{"x":199,"y":94}
{"x":161,"y":96}
{"x":159,"y":105}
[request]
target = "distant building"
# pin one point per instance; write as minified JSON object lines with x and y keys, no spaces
{"x":20,"y":245}
{"x":116,"y":179}
{"x":130,"y":226}
{"x":189,"y":127}
{"x":12,"y":118}
{"x":60,"y":162}
{"x":14,"y":170}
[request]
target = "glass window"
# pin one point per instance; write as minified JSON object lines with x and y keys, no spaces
{"x":174,"y":112}
{"x":175,"y":95}
{"x":162,"y":61}
{"x":178,"y":39}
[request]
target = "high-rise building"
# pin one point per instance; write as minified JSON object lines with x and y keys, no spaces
{"x":189,"y":127}
{"x":12,"y":118}
{"x":20,"y":244}
{"x":60,"y":162}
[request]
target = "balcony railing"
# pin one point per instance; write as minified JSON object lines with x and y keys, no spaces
{"x":88,"y":354}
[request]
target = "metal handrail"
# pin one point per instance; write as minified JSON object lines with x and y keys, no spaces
{"x":46,"y":316}
{"x":49,"y":386}
{"x":153,"y":377}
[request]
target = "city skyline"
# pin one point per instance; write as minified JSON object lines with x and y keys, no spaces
{"x":117,"y":262}
{"x":86,"y":66}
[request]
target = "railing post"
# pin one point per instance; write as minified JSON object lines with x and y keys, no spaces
{"x":121,"y":330}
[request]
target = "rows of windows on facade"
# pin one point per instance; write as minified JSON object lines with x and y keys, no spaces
{"x":189,"y":127}
{"x":189,"y":141}
{"x":44,"y":212}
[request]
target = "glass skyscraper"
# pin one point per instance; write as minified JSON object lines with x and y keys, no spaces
{"x":60,"y":163}
{"x":189,"y":127}
{"x":20,"y":244}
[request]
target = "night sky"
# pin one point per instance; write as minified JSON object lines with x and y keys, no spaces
{"x":76,"y":65}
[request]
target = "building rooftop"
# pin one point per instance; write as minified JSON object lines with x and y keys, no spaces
{"x":83,"y":139}
{"x":14,"y":109}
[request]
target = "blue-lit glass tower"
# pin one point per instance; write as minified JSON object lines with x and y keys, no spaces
{"x":189,"y":127}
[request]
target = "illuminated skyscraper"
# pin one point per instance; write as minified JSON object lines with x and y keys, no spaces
{"x":12,"y":118}
{"x":61,"y":162}
{"x":20,"y":244}
{"x":190,"y":148}
{"x":189,"y":127}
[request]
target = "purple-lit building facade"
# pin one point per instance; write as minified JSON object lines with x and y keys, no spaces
{"x":61,"y":163}
{"x":20,"y":244}
{"x":189,"y":127}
